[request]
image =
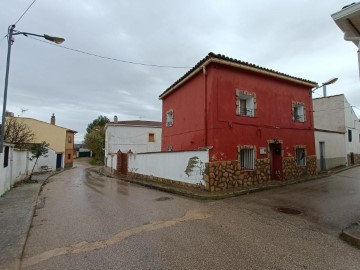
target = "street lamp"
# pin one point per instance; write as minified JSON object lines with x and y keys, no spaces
{"x":331,"y":81}
{"x":11,"y":33}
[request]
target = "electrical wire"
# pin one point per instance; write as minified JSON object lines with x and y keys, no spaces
{"x":25,"y":12}
{"x":22,"y":15}
{"x":109,"y":58}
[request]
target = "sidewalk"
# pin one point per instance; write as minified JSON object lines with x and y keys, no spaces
{"x":17,"y":208}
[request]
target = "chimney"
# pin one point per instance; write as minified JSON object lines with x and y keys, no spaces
{"x":52,"y":121}
{"x":115,"y":119}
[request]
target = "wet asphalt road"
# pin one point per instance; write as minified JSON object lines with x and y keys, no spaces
{"x":86,"y":221}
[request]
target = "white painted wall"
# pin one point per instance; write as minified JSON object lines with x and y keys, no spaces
{"x":335,"y":150}
{"x":335,"y":114}
{"x":329,"y":113}
{"x":5,"y":173}
{"x":125,"y":138}
{"x":49,"y":161}
{"x":352,"y":123}
{"x":171,"y":165}
{"x":20,"y":167}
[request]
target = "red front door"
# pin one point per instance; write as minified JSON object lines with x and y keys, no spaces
{"x":276,"y":161}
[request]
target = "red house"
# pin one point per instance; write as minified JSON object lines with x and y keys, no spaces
{"x":257,"y":123}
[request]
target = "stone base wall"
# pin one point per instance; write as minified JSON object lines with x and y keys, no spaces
{"x":356,"y":159}
{"x":292,"y":171}
{"x":228,"y":174}
{"x":223,"y":175}
{"x":162,"y":180}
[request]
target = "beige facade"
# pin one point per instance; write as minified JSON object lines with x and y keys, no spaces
{"x":60,"y":139}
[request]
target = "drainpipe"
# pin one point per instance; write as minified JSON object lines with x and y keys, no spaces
{"x":205,"y":106}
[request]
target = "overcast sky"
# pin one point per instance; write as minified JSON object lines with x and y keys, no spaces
{"x":298,"y":38}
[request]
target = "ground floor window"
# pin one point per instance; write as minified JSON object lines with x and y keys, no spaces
{"x":300,"y":156}
{"x":246,"y":157}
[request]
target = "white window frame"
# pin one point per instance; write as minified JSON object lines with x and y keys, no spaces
{"x":170,"y":118}
{"x":298,"y":112}
{"x":249,"y":98}
{"x":300,"y":153}
{"x":247,"y":157}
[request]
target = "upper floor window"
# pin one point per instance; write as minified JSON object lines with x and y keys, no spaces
{"x":151,"y":137}
{"x":69,"y":139}
{"x":245,"y":103}
{"x":298,"y":110}
{"x":170,"y":118}
{"x":349,"y":135}
{"x":301,"y":156}
{"x":246,"y":157}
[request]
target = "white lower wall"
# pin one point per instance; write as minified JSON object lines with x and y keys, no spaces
{"x":19,"y":167}
{"x":188,"y":167}
{"x":5,"y":173}
{"x":49,"y":161}
{"x":335,"y":149}
{"x":111,"y":162}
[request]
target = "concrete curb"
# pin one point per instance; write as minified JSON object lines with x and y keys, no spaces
{"x":351,"y":234}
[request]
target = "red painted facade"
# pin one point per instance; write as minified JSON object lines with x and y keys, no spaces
{"x":204,"y":111}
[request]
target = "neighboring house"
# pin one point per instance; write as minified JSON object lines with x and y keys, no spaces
{"x":135,"y":136}
{"x":258,"y":120}
{"x":60,"y":140}
{"x":348,"y":20}
{"x":81,"y":151}
{"x":337,"y":132}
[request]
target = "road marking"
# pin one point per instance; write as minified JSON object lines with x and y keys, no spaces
{"x":89,"y":246}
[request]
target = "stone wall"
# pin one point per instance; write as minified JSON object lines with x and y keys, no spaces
{"x":292,"y":171}
{"x":227,"y":175}
{"x":356,"y":159}
{"x":223,"y":175}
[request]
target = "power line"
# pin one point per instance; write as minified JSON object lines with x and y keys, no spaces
{"x":22,"y":15}
{"x":25,"y":12}
{"x":109,"y":58}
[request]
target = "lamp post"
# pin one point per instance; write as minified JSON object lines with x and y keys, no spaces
{"x":331,"y":81}
{"x":11,"y":33}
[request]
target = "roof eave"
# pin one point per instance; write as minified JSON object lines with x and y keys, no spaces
{"x":236,"y":65}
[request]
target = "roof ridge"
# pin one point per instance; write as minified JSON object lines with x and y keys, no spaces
{"x":232,"y":60}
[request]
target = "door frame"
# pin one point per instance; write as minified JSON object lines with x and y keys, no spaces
{"x":276,"y":158}
{"x":322,"y":156}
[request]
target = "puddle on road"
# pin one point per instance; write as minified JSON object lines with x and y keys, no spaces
{"x":161,"y":199}
{"x":90,"y":246}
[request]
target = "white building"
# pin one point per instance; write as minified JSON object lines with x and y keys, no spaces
{"x":348,"y":20}
{"x":136,"y":136}
{"x":337,"y":132}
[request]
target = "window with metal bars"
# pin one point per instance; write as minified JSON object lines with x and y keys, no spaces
{"x":247,"y":159}
{"x":300,"y":157}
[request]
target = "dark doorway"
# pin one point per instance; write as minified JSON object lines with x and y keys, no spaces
{"x":124,"y":163}
{"x":58,"y":161}
{"x":352,"y":158}
{"x":322,"y":156}
{"x":276,"y":161}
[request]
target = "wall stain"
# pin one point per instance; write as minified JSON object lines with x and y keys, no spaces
{"x":194,"y":164}
{"x":90,"y":246}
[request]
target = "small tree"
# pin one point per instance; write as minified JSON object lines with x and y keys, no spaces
{"x":95,"y":141}
{"x":38,"y":150}
{"x":95,"y":137}
{"x":18,"y":133}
